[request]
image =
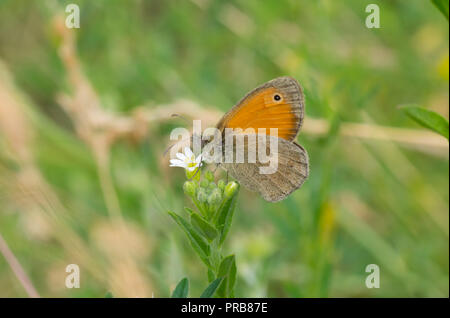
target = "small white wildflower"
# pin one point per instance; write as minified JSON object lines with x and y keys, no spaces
{"x":186,"y":160}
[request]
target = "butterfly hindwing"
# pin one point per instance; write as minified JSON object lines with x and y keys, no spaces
{"x":292,"y":168}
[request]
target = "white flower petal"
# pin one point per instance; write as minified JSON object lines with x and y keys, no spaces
{"x":198,"y":159}
{"x":180,"y":156}
{"x":188,"y":152}
{"x":178,"y":166}
{"x":187,"y":160}
{"x":177,"y":163}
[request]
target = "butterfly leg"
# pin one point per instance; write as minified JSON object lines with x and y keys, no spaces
{"x":198,"y":169}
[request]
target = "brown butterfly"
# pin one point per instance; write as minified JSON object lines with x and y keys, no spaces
{"x":279,"y":104}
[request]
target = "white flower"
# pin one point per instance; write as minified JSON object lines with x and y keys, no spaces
{"x":186,"y":160}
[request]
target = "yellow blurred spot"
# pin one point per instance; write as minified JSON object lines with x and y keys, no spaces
{"x":428,"y":39}
{"x":289,"y":61}
{"x":442,"y":67}
{"x":326,"y":223}
{"x":254,"y":246}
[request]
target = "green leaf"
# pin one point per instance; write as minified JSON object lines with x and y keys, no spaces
{"x":211,"y":289}
{"x":189,"y":210}
{"x":203,"y":226}
{"x":225,"y":215}
{"x":182,"y":289}
{"x":442,"y":5}
{"x":109,"y":295}
{"x":227,"y":270}
{"x":428,"y":119}
{"x":195,"y":238}
{"x":211,"y":275}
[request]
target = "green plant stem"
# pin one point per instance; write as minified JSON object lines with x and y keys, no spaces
{"x":216,"y":256}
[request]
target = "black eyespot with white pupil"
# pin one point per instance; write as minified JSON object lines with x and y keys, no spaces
{"x":277,"y":97}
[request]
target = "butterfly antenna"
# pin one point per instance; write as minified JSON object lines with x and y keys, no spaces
{"x":190,"y":179}
{"x":172,"y":145}
{"x":167,"y":149}
{"x":179,"y":116}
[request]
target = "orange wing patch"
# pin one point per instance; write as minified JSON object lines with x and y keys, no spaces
{"x":268,"y":107}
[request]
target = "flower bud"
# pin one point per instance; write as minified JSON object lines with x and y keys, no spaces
{"x":190,"y":188}
{"x":221,"y":184}
{"x":212,"y":186}
{"x":202,"y":196}
{"x":209,"y":176}
{"x":231,"y":189}
{"x":204,"y":183}
{"x":215,"y":197}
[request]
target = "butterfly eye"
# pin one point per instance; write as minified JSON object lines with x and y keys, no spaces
{"x":277,"y":97}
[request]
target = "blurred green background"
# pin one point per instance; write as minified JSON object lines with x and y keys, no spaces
{"x":67,"y":169}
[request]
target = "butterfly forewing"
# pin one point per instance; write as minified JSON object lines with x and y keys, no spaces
{"x":278,"y":103}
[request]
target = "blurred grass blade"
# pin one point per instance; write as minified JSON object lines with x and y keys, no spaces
{"x":197,"y":241}
{"x":203,"y":226}
{"x":211,"y":289}
{"x":182,"y":289}
{"x":227,"y":270}
{"x":225,"y":215}
{"x":442,"y":5}
{"x":428,"y":119}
